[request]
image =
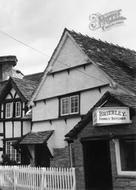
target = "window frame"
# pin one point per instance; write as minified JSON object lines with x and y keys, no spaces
{"x":9,"y":110}
{"x":17,"y":110}
{"x":118,"y":161}
{"x":69,"y":99}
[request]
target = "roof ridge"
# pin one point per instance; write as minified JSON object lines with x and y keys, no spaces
{"x":102,"y":41}
{"x":33,"y":74}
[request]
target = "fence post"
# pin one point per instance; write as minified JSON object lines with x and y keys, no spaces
{"x":42,"y":179}
{"x":14,"y":177}
{"x":74,"y":178}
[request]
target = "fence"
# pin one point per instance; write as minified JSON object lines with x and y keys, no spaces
{"x":31,"y":178}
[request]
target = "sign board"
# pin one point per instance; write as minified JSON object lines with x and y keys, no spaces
{"x":111,"y":116}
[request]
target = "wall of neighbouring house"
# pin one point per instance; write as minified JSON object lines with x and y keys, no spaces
{"x":6,"y":71}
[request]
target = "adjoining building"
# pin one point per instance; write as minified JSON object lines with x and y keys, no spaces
{"x":15,"y":117}
{"x":104,"y":144}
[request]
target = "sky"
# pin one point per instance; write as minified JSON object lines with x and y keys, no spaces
{"x":31,"y":29}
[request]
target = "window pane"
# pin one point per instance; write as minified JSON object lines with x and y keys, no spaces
{"x":128,"y":155}
{"x":18,"y":109}
{"x":75,"y":104}
{"x":11,"y":152}
{"x":8,"y":110}
{"x":65,"y":106}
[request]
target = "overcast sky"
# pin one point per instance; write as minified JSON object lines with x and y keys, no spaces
{"x":40,"y":23}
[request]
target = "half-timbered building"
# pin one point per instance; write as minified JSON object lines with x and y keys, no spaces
{"x":15,"y":117}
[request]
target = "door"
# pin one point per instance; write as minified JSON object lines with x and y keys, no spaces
{"x":42,"y":156}
{"x":97,"y":165}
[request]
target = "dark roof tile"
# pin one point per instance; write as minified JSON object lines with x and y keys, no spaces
{"x":36,"y":137}
{"x":117,"y":62}
{"x":26,"y":87}
{"x":34,"y":77}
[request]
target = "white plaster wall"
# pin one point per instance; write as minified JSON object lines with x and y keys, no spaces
{"x":76,"y":80}
{"x":42,"y":126}
{"x":50,"y":109}
{"x":8,"y":128}
{"x":17,"y":129}
{"x":26,"y":127}
{"x":60,"y":128}
{"x":89,"y":98}
{"x":12,"y":91}
{"x":51,"y":143}
{"x":1,"y":127}
{"x":69,"y":54}
{"x":46,"y":110}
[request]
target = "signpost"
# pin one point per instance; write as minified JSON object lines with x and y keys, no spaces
{"x":111,"y":116}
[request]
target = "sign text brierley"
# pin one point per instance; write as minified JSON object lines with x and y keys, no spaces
{"x":111,"y":115}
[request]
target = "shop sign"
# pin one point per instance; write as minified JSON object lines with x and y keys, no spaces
{"x":111,"y":115}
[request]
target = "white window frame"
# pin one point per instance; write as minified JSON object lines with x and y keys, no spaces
{"x":18,"y":109}
{"x":9,"y":110}
{"x":118,"y":161}
{"x":12,"y":152}
{"x":69,"y":98}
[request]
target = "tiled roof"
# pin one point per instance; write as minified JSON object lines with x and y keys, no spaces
{"x":34,"y":77}
{"x":117,"y":62}
{"x":26,"y":87}
{"x":37,"y":137}
{"x":125,"y":100}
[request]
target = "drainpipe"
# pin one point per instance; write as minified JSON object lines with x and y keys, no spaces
{"x":70,"y":155}
{"x":70,"y":141}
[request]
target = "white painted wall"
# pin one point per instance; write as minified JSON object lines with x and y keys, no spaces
{"x":1,"y":127}
{"x":17,"y":129}
{"x":69,"y":54}
{"x":76,"y":80}
{"x":26,"y":127}
{"x":50,"y":109}
{"x":46,"y":110}
{"x":60,"y":128}
{"x":84,"y":79}
{"x":8,"y":129}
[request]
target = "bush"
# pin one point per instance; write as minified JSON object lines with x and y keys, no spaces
{"x":7,"y":161}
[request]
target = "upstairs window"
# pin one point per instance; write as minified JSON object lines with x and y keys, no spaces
{"x":17,"y":109}
{"x":9,"y":110}
{"x":69,"y":105}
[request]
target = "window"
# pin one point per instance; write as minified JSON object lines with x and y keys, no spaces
{"x":126,"y":156}
{"x":9,"y":110}
{"x":69,"y":105}
{"x":13,"y":154}
{"x":17,"y":109}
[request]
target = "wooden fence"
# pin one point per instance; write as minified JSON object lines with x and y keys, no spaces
{"x":31,"y":178}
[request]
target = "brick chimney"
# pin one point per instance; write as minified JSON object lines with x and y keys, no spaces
{"x":6,"y":66}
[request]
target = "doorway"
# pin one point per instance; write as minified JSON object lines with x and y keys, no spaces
{"x":42,"y":156}
{"x":97,"y":165}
